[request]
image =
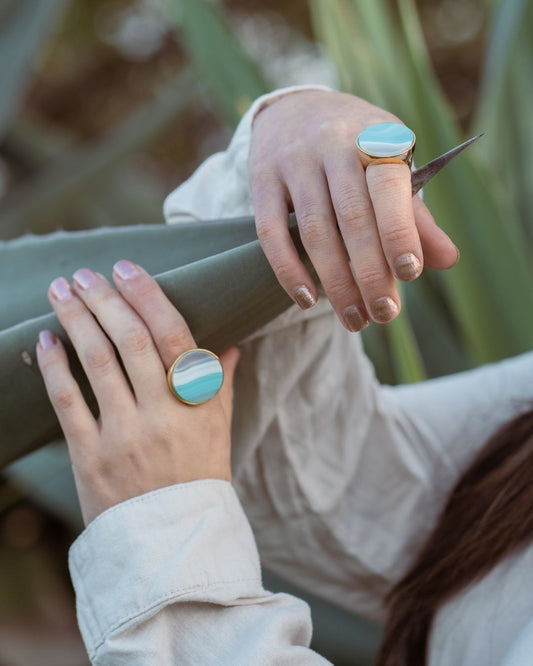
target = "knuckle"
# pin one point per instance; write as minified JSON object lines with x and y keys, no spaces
{"x":393,"y":179}
{"x":369,"y":276}
{"x":62,"y":398}
{"x":334,"y":128}
{"x":177,"y":340}
{"x":137,"y":341}
{"x":284,"y":271}
{"x":354,"y":210}
{"x":266,"y":230}
{"x":100,"y":359}
{"x":315,"y":231}
{"x":339,"y":288}
{"x":396,"y":233}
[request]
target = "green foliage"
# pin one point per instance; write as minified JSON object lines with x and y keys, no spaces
{"x":486,"y":301}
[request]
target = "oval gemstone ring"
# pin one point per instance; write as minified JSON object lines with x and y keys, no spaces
{"x":195,"y":376}
{"x":386,"y":143}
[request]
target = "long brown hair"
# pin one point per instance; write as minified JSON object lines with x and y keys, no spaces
{"x":488,"y":516}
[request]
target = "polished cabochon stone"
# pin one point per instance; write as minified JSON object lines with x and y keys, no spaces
{"x":196,"y":376}
{"x":386,"y":139}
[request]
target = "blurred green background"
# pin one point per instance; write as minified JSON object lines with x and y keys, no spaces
{"x":106,"y":105}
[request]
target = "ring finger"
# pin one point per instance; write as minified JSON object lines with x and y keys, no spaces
{"x":94,"y":350}
{"x":320,"y":237}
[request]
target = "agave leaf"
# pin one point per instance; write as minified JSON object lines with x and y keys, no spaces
{"x":25,"y":27}
{"x":74,"y":178}
{"x":504,"y":109}
{"x":232,"y":77}
{"x":223,"y":285}
{"x":493,"y":265}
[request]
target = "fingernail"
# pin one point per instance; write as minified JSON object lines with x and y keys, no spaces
{"x":126,"y":269}
{"x":303,"y":297}
{"x":384,"y":309}
{"x":458,"y":255}
{"x":61,"y":289}
{"x":407,"y":267}
{"x":354,"y":319}
{"x":85,"y":278}
{"x":47,"y":339}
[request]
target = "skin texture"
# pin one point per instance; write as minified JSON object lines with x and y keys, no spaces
{"x":144,"y":438}
{"x":303,"y":158}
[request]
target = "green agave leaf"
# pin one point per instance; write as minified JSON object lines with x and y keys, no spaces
{"x":72,"y":180}
{"x":215,"y":273}
{"x":26,"y":25}
{"x":406,"y":356}
{"x":493,"y":265}
{"x":232,"y":77}
{"x":504,"y":108}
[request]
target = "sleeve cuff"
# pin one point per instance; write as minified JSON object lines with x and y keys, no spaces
{"x":187,"y":542}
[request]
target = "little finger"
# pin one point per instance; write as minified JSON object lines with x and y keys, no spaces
{"x":77,"y":422}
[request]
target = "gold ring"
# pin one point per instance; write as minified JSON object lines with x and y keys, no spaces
{"x":386,"y":143}
{"x":195,"y":376}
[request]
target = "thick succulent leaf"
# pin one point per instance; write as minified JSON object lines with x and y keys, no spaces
{"x":232,"y":78}
{"x":25,"y":26}
{"x":215,"y":273}
{"x":74,"y":179}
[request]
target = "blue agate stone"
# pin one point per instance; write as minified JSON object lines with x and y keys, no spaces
{"x":196,"y":376}
{"x":386,"y":139}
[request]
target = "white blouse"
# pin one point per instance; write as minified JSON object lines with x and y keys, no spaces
{"x":341,"y":480}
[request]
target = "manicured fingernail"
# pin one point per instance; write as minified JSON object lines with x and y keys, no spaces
{"x":85,"y":278}
{"x":61,"y":289}
{"x":47,"y":339}
{"x":354,"y":319}
{"x":458,"y":255}
{"x":384,"y":309}
{"x":126,"y":269}
{"x":407,"y":266}
{"x":303,"y":297}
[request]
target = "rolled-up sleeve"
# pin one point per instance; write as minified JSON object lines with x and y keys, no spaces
{"x":173,"y":577}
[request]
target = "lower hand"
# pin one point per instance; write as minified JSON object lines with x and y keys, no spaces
{"x":144,"y":438}
{"x":303,"y":158}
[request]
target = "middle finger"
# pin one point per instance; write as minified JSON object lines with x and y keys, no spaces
{"x":357,"y":223}
{"x":127,"y":331}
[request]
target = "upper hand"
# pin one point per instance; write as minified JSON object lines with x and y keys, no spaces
{"x":303,"y":158}
{"x":144,"y":438}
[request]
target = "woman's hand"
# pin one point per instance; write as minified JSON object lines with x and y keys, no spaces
{"x":144,"y":438}
{"x":303,"y":158}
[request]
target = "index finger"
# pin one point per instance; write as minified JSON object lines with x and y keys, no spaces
{"x":168,"y":328}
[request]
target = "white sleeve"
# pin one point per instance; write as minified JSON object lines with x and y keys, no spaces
{"x":340,"y":477}
{"x":173,"y":577}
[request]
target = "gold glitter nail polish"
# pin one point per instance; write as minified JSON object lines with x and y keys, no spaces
{"x":303,"y":297}
{"x":354,"y":319}
{"x":407,"y":267}
{"x":384,"y":309}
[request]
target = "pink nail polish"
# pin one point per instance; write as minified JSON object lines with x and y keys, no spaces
{"x":60,"y":288}
{"x":126,"y":269}
{"x":85,"y":278}
{"x":47,"y":339}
